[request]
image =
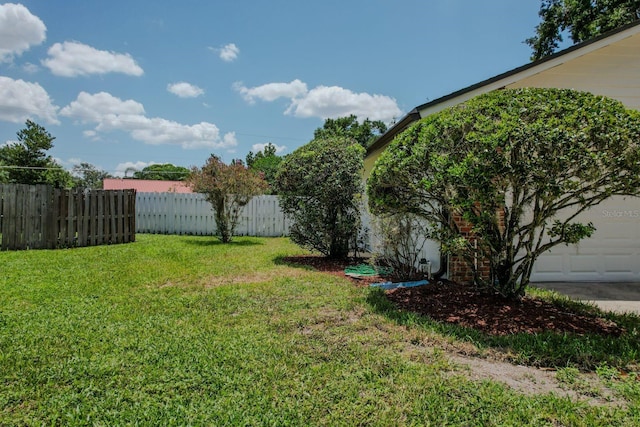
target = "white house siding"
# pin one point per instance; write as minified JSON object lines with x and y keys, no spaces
{"x":612,"y":70}
{"x":430,"y":251}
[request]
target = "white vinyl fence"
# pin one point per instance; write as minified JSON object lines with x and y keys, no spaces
{"x":176,"y":213}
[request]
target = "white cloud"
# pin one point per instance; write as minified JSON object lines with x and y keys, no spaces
{"x":323,"y":101}
{"x":110,"y":113}
{"x":91,"y":134}
{"x":229,"y":53}
{"x":20,"y":100}
{"x":30,"y":68}
{"x":185,"y":90}
{"x":71,"y":59}
{"x":272,"y":91}
{"x":59,"y":161}
{"x":332,"y":102}
{"x":229,"y":139}
{"x":259,"y":147}
{"x":19,"y":30}
{"x":91,"y":108}
{"x":74,"y":160}
{"x":157,"y":131}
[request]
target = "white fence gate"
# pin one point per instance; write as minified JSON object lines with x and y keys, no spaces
{"x":176,"y":213}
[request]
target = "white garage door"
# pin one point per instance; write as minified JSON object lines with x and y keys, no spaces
{"x":611,"y":254}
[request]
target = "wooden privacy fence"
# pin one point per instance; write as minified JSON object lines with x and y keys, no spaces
{"x":43,"y":217}
{"x":176,"y":213}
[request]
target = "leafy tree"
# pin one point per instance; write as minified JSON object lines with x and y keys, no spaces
{"x":88,"y":176}
{"x":319,"y":186}
{"x":4,"y":173}
{"x":28,"y":157}
{"x":509,"y":162}
{"x":365,"y":134}
{"x":582,"y":19}
{"x":228,"y":188}
{"x":163,"y":172}
{"x":265,"y":162}
{"x":58,"y":176}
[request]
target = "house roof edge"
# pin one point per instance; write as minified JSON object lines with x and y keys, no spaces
{"x":411,"y":117}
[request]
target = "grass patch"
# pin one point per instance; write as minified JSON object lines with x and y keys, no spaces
{"x":185,"y":331}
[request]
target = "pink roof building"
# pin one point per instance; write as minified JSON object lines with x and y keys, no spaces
{"x":146,"y":185}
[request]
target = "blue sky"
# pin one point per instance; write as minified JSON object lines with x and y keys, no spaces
{"x":130,"y":83}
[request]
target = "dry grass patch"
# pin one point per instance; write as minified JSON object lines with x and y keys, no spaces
{"x":243,"y":278}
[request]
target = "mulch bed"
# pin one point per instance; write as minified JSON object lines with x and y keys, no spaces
{"x":463,"y":305}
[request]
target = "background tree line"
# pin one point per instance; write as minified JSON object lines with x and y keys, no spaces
{"x":581,"y":20}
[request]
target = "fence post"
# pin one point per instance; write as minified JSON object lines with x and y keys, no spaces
{"x":49,"y":215}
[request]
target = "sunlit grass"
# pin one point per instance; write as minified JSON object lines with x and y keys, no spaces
{"x":186,"y":331}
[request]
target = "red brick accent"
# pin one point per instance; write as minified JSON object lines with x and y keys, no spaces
{"x":459,"y":270}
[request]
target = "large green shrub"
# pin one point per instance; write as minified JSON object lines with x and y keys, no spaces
{"x":319,"y":186}
{"x":509,"y":161}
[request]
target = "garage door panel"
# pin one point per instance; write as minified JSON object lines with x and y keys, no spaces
{"x":619,"y":263}
{"x":614,"y":243}
{"x":613,"y":232}
{"x":582,"y":263}
{"x":611,"y":254}
{"x":552,"y":263}
{"x":584,"y":245}
{"x":580,"y":249}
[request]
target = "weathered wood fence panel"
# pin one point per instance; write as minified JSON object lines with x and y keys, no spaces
{"x":41,"y":217}
{"x":179,"y":213}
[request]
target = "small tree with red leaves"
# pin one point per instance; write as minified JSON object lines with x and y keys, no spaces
{"x":228,"y":188}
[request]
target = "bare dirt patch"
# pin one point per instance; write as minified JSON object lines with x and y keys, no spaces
{"x":531,"y":381}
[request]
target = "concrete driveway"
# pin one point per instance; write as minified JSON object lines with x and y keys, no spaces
{"x":618,"y":297}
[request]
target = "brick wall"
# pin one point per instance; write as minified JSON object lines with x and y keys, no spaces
{"x":459,"y":270}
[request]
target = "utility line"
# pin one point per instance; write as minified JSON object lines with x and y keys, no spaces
{"x":85,"y":170}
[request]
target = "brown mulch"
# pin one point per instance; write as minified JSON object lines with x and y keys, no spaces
{"x":461,"y":304}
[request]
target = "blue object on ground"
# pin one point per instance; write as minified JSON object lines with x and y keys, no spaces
{"x":390,"y":285}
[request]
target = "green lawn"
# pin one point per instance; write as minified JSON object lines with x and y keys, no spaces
{"x":186,"y":331}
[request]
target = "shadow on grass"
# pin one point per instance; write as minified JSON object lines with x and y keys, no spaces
{"x":547,"y":349}
{"x":290,"y":262}
{"x":214,"y":241}
{"x":318,"y":262}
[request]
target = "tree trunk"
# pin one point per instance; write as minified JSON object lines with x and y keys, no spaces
{"x":222,"y":223}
